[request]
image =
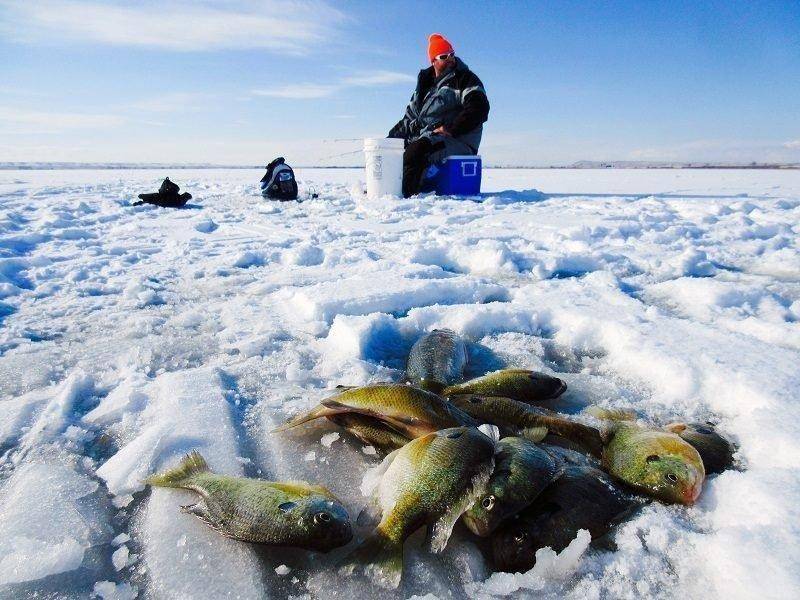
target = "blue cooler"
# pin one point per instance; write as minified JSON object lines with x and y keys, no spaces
{"x":456,"y":176}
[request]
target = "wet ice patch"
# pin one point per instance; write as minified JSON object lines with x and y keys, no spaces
{"x":42,"y":529}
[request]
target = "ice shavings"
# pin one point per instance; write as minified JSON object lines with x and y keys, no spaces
{"x":120,"y":557}
{"x":328,"y":439}
{"x":108,"y":590}
{"x":550,"y":566}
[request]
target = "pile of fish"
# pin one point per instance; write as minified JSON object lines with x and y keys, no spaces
{"x":547,"y":477}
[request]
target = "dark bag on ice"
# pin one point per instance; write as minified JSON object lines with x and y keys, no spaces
{"x":279,"y":182}
{"x":166,"y":196}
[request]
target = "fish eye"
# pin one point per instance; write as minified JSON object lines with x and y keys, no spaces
{"x":671,"y":477}
{"x":703,"y":430}
{"x":322,"y":517}
{"x":488,"y":502}
{"x":652,"y":458}
{"x":520,"y":537}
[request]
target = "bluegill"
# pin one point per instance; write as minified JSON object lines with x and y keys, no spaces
{"x":519,"y":384}
{"x":522,"y":470}
{"x":430,"y":481}
{"x":437,"y":359}
{"x":409,"y":411}
{"x":716,"y":450}
{"x":654,"y":462}
{"x":581,"y":498}
{"x":264,"y":512}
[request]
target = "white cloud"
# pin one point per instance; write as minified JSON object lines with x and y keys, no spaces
{"x":16,"y":120}
{"x":307,"y":91}
{"x":792,"y":144}
{"x":300,"y":91}
{"x":293,"y":27}
{"x":377,"y":78}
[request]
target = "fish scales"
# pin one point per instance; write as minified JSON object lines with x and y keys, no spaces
{"x":520,"y":384}
{"x":431,"y":481}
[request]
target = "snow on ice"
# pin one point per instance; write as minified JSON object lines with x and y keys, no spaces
{"x":131,"y":335}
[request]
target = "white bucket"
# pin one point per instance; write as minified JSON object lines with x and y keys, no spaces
{"x":384,"y":162}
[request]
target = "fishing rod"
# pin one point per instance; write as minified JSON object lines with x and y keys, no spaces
{"x":343,"y":140}
{"x":340,"y":155}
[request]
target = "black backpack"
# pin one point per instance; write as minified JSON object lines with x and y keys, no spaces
{"x":279,"y":182}
{"x":166,"y":196}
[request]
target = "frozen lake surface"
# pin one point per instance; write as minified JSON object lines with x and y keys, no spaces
{"x":131,"y":335}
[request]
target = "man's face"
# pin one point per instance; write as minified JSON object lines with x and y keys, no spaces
{"x":443,"y":62}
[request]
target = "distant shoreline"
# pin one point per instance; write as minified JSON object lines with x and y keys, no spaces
{"x":583,"y":165}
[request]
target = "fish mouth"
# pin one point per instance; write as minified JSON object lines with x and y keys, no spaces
{"x":692,"y":492}
{"x":476,"y":526}
{"x":341,"y":538}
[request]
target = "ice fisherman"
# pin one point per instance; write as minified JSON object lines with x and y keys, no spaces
{"x":445,"y":115}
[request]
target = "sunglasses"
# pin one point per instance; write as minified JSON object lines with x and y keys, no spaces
{"x":443,"y":56}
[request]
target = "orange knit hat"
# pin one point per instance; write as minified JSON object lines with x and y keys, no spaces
{"x":438,"y":44}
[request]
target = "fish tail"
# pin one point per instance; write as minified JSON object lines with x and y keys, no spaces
{"x":191,"y":465}
{"x":587,"y":437}
{"x":380,"y":558}
{"x":315,"y":413}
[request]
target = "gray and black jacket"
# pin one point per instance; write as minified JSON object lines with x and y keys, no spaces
{"x":456,"y":100}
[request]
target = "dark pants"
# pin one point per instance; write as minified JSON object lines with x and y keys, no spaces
{"x":415,"y":163}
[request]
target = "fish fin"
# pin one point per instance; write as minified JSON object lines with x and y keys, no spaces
{"x":303,"y":488}
{"x":344,"y":388}
{"x":440,"y":530}
{"x":610,"y":414}
{"x":380,"y":558}
{"x":192,"y":464}
{"x":534,"y":434}
{"x":372,"y":477}
{"x":315,"y":413}
{"x":371,"y":514}
{"x":490,"y":431}
{"x":199,"y":510}
{"x":435,"y":387}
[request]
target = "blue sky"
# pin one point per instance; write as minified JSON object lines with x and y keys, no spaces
{"x":239,"y":82}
